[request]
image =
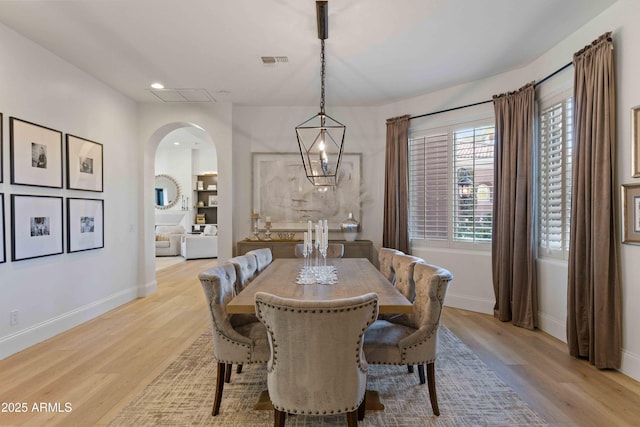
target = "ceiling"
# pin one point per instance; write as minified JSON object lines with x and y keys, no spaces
{"x":378,"y":51}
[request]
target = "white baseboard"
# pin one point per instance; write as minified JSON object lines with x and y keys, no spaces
{"x":148,"y":289}
{"x":469,"y":303}
{"x":630,"y":365}
{"x":34,"y":334}
{"x":551,"y":325}
{"x":555,"y":327}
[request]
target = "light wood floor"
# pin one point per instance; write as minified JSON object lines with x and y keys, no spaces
{"x":101,"y":365}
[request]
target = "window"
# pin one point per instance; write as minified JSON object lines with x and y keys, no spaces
{"x":555,"y":145}
{"x":451,"y":184}
{"x":429,"y":187}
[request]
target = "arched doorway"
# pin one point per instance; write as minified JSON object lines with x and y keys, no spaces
{"x":168,"y":134}
{"x":182,"y":155}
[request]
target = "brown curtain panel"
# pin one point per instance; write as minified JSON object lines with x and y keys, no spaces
{"x":395,"y":230}
{"x":513,"y":254}
{"x":594,"y":313}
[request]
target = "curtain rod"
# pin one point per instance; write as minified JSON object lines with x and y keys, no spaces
{"x":564,"y":67}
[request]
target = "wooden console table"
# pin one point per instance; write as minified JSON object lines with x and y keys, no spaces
{"x":286,"y":249}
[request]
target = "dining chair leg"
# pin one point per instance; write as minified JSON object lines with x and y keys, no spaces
{"x":239,"y":368}
{"x":227,"y":375}
{"x":410,"y":369}
{"x":278,"y":418}
{"x":219,"y":386}
{"x":361,"y":409}
{"x":352,"y":418}
{"x":421,"y":373}
{"x":431,"y":376}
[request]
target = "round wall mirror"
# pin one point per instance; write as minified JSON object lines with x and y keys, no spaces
{"x":166,"y":191}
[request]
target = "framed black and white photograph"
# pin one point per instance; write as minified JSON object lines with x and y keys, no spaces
{"x":36,"y":226}
{"x":3,"y":255}
{"x":85,"y":224}
{"x":631,"y":213}
{"x":213,"y":200}
{"x":36,"y":154}
{"x":84,"y":164}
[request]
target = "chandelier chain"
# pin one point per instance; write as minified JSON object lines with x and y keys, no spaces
{"x":322,"y":74}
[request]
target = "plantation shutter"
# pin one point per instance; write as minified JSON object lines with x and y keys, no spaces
{"x":428,"y":187}
{"x":555,"y":177}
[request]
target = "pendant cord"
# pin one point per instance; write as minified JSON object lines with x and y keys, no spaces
{"x":322,"y":75}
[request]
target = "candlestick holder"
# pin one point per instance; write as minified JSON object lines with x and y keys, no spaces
{"x":256,"y":230}
{"x":267,"y":233}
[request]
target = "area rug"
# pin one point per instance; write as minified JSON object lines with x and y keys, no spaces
{"x":469,"y":394}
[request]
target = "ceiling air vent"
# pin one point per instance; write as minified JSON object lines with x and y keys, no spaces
{"x":272,"y":60}
{"x":183,"y":95}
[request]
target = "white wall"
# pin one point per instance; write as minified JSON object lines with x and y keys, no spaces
{"x":272,"y":129}
{"x":57,"y":292}
{"x":205,"y":160}
{"x":183,"y":163}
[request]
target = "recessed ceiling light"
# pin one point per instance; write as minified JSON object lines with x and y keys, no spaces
{"x":176,"y":143}
{"x":157,"y":85}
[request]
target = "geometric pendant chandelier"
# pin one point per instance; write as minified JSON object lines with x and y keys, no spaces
{"x":321,"y":138}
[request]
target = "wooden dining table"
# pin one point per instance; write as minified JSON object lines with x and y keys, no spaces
{"x":356,"y":276}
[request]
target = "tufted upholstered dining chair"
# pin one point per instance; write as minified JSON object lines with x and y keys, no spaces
{"x":246,"y":269}
{"x":232,"y":343}
{"x":334,"y":250}
{"x":403,"y":266}
{"x":263,"y":257}
{"x":316,"y":365}
{"x":398,"y":344}
{"x":385,"y":260}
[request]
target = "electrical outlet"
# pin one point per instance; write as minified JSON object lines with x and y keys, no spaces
{"x":14,"y":319}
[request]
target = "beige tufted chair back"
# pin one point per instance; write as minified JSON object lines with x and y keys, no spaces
{"x":246,"y":343}
{"x":385,"y":259}
{"x":432,"y":283}
{"x":263,"y":257}
{"x":246,"y":269}
{"x":316,"y":365}
{"x":403,"y":266}
{"x":414,"y":343}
